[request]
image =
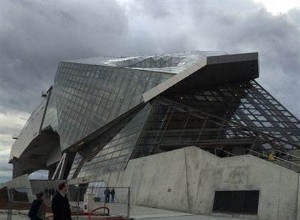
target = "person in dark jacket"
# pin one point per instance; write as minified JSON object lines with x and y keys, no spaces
{"x":60,"y":204}
{"x":112,"y":194}
{"x":38,"y":208}
{"x":107,"y":193}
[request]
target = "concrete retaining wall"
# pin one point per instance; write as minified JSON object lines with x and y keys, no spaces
{"x":21,"y":182}
{"x":186,"y":180}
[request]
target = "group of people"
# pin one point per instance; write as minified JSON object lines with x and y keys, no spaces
{"x":60,"y":205}
{"x":109,"y":194}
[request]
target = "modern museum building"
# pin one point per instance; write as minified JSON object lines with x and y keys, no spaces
{"x":192,"y":132}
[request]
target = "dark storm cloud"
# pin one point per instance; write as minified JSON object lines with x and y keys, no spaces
{"x":276,"y":38}
{"x":34,"y":37}
{"x":235,"y":26}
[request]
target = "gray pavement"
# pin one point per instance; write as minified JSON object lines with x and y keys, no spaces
{"x":139,"y":212}
{"x":195,"y":217}
{"x":144,"y":213}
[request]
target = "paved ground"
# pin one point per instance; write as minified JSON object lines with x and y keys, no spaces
{"x":145,"y":213}
{"x":195,"y":217}
{"x":136,"y":212}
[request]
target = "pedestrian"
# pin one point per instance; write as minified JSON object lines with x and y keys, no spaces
{"x":112,"y":193}
{"x":271,"y":156}
{"x":60,"y":204}
{"x":38,"y":208}
{"x":106,"y":193}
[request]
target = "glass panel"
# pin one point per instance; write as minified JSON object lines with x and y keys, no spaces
{"x":113,"y":154}
{"x":80,"y":95}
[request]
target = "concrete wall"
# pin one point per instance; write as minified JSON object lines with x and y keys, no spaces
{"x":21,"y":182}
{"x":186,"y":180}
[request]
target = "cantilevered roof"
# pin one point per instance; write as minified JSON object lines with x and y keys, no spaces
{"x":211,"y":70}
{"x":170,"y":62}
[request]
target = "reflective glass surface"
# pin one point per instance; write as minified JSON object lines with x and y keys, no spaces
{"x":50,"y":118}
{"x":229,"y":116}
{"x":110,"y":151}
{"x":30,"y":130}
{"x":169,"y":63}
{"x":247,"y":104}
{"x":76,"y":166}
{"x":90,"y":96}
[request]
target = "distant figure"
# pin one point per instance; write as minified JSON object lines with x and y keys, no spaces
{"x":60,"y":204}
{"x":112,"y":193}
{"x":38,"y":208}
{"x":271,"y":156}
{"x":222,"y":153}
{"x":46,"y":191}
{"x":52,"y":192}
{"x":106,"y":193}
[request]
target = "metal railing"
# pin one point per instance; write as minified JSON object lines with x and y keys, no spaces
{"x":223,"y":153}
{"x":287,"y":163}
{"x":275,"y":158}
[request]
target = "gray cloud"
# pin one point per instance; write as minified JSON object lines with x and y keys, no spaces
{"x":5,"y":168}
{"x":35,"y":36}
{"x":236,"y":26}
{"x":39,"y":35}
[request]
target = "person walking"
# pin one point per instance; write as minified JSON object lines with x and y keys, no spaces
{"x":106,"y":193}
{"x":60,"y":204}
{"x":38,"y":208}
{"x":112,"y":193}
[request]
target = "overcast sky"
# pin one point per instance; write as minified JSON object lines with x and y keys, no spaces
{"x":36,"y":35}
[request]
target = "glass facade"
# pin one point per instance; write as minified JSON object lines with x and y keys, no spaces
{"x":111,"y":151}
{"x":96,"y":107}
{"x":228,"y":116}
{"x":242,"y":115}
{"x":30,"y":131}
{"x":168,"y":63}
{"x":76,"y":166}
{"x":247,"y":104}
{"x":50,"y":118}
{"x":90,"y":96}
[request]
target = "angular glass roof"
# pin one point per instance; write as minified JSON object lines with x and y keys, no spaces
{"x":171,"y":62}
